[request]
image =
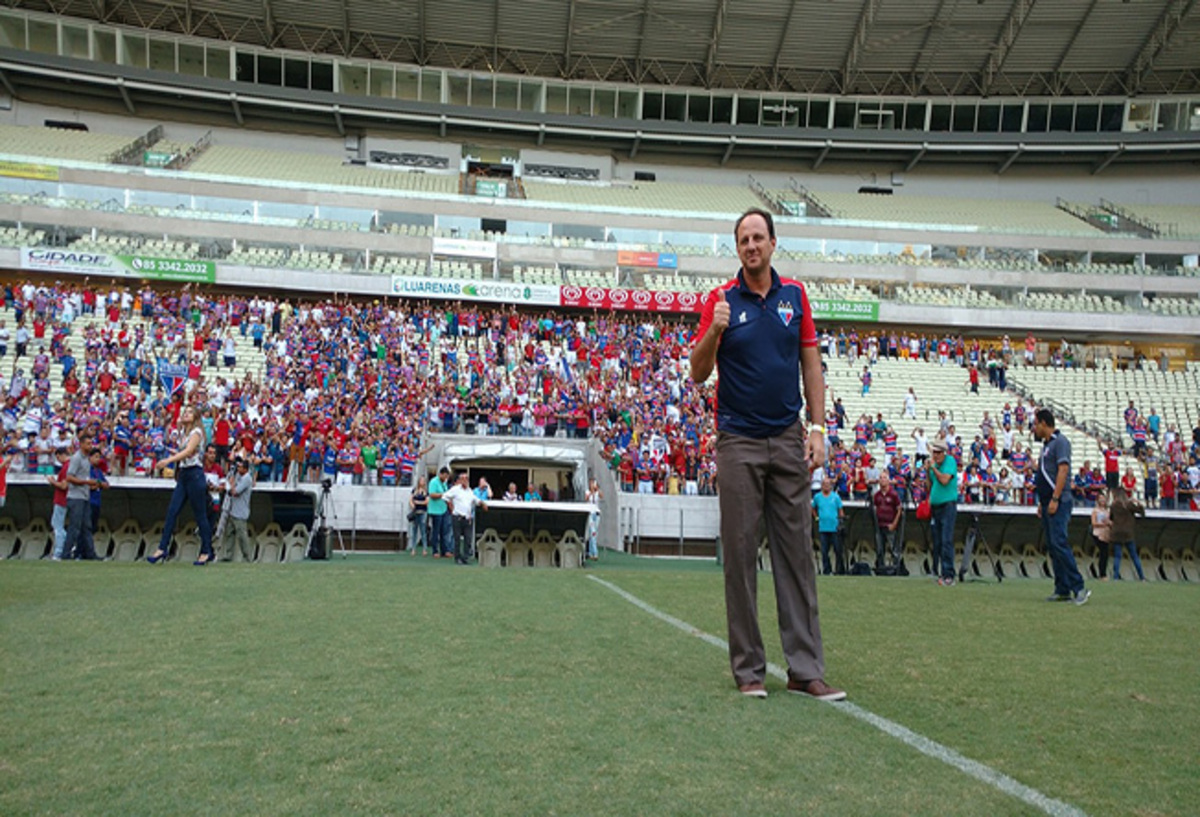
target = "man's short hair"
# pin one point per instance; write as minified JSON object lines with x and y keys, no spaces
{"x":1044,"y":416}
{"x":443,"y":470}
{"x":755,"y":211}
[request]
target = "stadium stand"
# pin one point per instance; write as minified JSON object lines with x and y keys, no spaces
{"x":1176,"y":220}
{"x":657,"y":196}
{"x":60,"y":143}
{"x":993,"y":214}
{"x":241,"y":162}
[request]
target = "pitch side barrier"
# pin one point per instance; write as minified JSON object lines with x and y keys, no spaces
{"x":370,"y":519}
{"x":1005,"y":539}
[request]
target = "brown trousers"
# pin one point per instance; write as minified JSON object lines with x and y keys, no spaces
{"x":768,"y":480}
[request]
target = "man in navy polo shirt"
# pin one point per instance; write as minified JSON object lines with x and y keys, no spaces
{"x":1054,"y":508}
{"x":758,"y":331}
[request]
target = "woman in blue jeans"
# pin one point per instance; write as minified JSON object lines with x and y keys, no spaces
{"x":190,"y":486}
{"x":943,"y":503}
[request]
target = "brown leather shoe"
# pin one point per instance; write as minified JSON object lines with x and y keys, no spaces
{"x":816,"y":689}
{"x":754,"y":690}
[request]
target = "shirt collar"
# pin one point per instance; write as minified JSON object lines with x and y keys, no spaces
{"x":775,"y":284}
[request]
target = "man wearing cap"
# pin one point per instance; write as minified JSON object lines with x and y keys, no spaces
{"x":943,"y":504}
{"x":1054,"y":507}
{"x":438,"y":513}
{"x":758,"y":330}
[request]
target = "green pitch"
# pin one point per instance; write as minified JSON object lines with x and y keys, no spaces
{"x":396,"y":685}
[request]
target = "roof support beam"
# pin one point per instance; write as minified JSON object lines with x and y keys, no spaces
{"x":346,"y":27}
{"x":817,"y":162}
{"x":783,"y":32}
{"x":641,"y":47}
{"x":1108,"y":160}
{"x":1018,"y":13}
{"x":1012,"y":157}
{"x":496,"y":36}
{"x":859,"y":41}
{"x":729,"y":150}
{"x":917,"y":157}
{"x":269,"y":19}
{"x":1066,"y":52}
{"x":237,"y":108}
{"x":934,"y":25}
{"x":714,"y":42}
{"x":1158,"y":42}
{"x":566,"y":66}
{"x":8,"y":86}
{"x":125,"y":96}
{"x":422,"y":56}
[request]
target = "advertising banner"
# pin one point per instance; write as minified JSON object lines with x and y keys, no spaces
{"x":453,"y":289}
{"x":26,"y":170}
{"x":465,"y":248}
{"x":52,"y":259}
{"x":631,"y":258}
{"x":837,"y":309}
{"x":630,"y":300}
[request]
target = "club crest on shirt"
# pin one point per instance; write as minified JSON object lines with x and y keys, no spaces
{"x":786,"y":312}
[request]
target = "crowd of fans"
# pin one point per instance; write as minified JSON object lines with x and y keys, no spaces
{"x":350,"y":391}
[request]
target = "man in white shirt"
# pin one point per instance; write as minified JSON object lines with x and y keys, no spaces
{"x":462,"y":501}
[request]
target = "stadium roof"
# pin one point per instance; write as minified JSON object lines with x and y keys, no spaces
{"x":874,"y":47}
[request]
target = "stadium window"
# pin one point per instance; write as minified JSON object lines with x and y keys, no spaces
{"x":844,"y":113}
{"x":191,"y":60}
{"x":12,"y":32}
{"x":431,"y":85}
{"x":699,"y":108}
{"x":652,"y":106}
{"x":895,"y":112}
{"x":162,"y":55}
{"x":964,"y":117}
{"x":1087,"y":118}
{"x":1171,"y":115}
{"x":322,"y":76}
{"x":216,"y":62}
{"x":556,"y":98}
{"x":245,"y":67}
{"x":270,"y":70}
{"x":133,"y":49}
{"x":43,"y":38}
{"x":604,"y":103}
{"x":747,"y":110}
{"x":989,"y":119}
{"x":818,"y":113}
{"x":675,"y":107}
{"x":914,"y":115}
{"x":579,"y":100}
{"x":352,"y":79}
{"x":939,"y":118}
{"x":460,"y":89}
{"x":1011,"y":116}
{"x":508,"y":92}
{"x":531,"y":95}
{"x":1111,"y":116}
{"x":627,"y":104}
{"x":295,"y":73}
{"x":75,"y":42}
{"x":483,"y":92}
{"x":382,"y":81}
{"x":1062,"y":116}
{"x":104,"y":46}
{"x":1039,"y":117}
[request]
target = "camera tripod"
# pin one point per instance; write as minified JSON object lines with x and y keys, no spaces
{"x":319,"y":538}
{"x":975,"y":537}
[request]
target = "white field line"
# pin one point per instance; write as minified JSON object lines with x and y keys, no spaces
{"x":922,"y":744}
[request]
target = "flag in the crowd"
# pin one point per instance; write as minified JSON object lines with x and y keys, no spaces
{"x":172,"y":375}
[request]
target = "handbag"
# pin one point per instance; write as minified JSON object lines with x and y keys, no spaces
{"x":924,"y":510}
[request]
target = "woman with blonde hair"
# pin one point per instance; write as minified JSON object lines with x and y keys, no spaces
{"x":1101,"y":525}
{"x":190,"y":485}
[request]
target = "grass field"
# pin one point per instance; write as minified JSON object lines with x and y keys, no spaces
{"x":397,"y":685}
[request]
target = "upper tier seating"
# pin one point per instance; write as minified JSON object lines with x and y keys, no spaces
{"x":994,"y":214}
{"x":707,"y":198}
{"x":227,"y":160}
{"x":57,"y":143}
{"x":1172,"y":219}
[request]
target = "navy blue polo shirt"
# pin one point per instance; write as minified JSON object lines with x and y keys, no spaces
{"x":758,"y":359}
{"x":1055,"y":452}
